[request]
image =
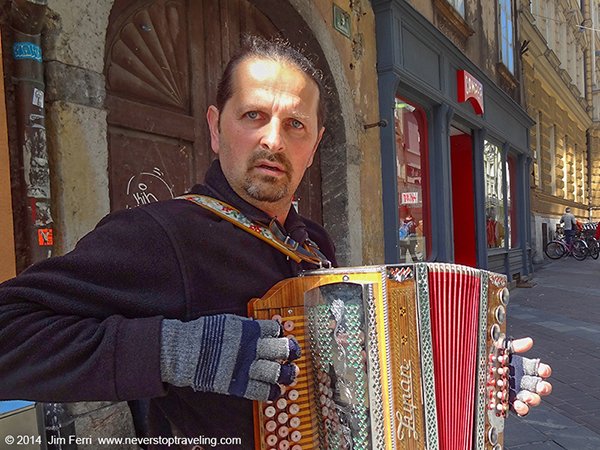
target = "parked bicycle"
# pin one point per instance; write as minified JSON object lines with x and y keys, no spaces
{"x":593,"y":246}
{"x":558,"y":248}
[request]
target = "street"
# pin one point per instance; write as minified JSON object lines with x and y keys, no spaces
{"x":562,"y":313}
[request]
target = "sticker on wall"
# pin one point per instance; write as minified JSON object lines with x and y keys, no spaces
{"x":27,"y":50}
{"x":45,"y":237}
{"x":38,"y":98}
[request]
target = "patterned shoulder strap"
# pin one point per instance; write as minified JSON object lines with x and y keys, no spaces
{"x":272,"y":234}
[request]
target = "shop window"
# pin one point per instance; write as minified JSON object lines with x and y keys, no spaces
{"x":412,"y":182}
{"x":494,"y":196}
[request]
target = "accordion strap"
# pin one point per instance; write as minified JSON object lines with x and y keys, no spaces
{"x":272,"y":235}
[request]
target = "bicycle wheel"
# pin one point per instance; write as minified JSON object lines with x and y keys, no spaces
{"x":594,"y":247}
{"x":555,"y":250}
{"x":580,"y":250}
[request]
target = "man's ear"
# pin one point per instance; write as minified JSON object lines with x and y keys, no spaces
{"x":212,"y":117}
{"x":312,"y":156}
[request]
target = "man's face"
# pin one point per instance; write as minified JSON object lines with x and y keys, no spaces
{"x":267,"y":133}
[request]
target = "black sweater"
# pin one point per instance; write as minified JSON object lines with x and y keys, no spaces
{"x":86,"y":325}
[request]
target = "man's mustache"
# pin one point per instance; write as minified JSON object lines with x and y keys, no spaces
{"x":278,"y":158}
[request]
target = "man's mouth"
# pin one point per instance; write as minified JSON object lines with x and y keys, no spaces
{"x":273,"y":168}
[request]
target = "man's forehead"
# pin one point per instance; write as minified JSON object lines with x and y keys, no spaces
{"x":257,"y":79}
{"x":260,"y":69}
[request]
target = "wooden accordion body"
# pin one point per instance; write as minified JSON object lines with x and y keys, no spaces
{"x":394,"y":357}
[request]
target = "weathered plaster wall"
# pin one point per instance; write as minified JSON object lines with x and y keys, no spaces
{"x":7,"y":243}
{"x":352,"y":62}
{"x":76,"y":121}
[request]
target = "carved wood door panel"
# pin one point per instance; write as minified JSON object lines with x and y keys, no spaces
{"x":163,"y":62}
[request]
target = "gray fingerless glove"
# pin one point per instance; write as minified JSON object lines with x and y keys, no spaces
{"x":524,"y":377}
{"x":228,"y":354}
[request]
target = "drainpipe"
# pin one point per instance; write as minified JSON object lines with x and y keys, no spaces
{"x":27,"y":20}
{"x":588,"y":187}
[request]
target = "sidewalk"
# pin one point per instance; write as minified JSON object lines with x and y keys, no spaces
{"x":562,"y":314}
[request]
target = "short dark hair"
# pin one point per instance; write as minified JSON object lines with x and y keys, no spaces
{"x":276,"y":49}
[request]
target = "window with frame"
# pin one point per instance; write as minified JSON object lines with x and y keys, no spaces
{"x":537,"y":151}
{"x":459,"y":6}
{"x":412,"y":181}
{"x":507,"y":35}
{"x":494,"y":195}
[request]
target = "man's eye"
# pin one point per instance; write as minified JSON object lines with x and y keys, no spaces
{"x":296,"y":124}
{"x":252,"y":115}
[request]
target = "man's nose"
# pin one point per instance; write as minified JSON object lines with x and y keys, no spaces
{"x":272,"y":138}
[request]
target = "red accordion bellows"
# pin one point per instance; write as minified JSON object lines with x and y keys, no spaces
{"x":454,"y":302}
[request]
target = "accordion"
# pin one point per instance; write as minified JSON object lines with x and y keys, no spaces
{"x":394,"y":357}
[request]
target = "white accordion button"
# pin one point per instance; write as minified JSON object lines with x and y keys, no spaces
{"x":282,"y":418}
{"x":296,"y":436}
{"x":270,"y":411}
{"x":295,"y":422}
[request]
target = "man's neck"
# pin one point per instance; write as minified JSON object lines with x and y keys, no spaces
{"x":274,"y":211}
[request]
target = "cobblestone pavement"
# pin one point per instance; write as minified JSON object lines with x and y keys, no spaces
{"x":562,"y":313}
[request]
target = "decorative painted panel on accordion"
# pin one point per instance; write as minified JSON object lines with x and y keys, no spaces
{"x":394,"y":357}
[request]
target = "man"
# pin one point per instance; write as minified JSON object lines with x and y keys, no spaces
{"x":120,"y":319}
{"x":569,"y":226}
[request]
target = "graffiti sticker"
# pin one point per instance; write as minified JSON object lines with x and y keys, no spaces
{"x":45,"y":237}
{"x":27,"y":50}
{"x":38,"y":98}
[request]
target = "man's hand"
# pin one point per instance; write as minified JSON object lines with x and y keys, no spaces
{"x":228,"y":354}
{"x":530,"y":374}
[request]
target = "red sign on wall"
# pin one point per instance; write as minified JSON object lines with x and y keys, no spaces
{"x":45,"y":237}
{"x":470,"y":88}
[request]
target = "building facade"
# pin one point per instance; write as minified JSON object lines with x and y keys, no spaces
{"x":557,"y":62}
{"x":456,"y":153}
{"x":594,"y":134}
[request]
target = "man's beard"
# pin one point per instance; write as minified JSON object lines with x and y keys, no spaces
{"x":265,"y":188}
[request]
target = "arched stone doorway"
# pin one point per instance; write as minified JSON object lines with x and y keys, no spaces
{"x":163,"y":62}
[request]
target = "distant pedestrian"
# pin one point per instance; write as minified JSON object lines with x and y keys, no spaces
{"x":597,"y":235}
{"x":569,"y":226}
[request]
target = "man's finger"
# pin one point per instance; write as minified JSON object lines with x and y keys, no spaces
{"x":520,"y":408}
{"x":522,"y":345}
{"x":544,"y":370}
{"x":543,"y":388}
{"x":529,"y":398}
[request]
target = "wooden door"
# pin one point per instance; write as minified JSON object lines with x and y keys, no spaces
{"x":163,"y":63}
